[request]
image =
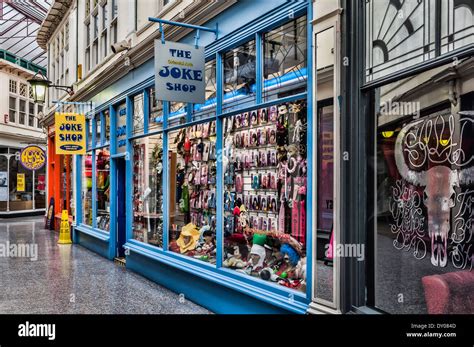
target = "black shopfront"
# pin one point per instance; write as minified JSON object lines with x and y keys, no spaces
{"x":407,"y":177}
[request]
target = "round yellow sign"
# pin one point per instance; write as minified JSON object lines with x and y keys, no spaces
{"x":33,"y":157}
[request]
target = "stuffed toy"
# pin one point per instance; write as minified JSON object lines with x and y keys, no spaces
{"x":290,"y":254}
{"x":236,"y":259}
{"x":188,"y":238}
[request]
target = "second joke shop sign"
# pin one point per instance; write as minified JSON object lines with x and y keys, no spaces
{"x":179,"y":72}
{"x":70,"y":133}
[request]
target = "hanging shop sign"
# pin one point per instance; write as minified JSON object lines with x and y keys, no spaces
{"x":70,"y":133}
{"x":122,"y":129}
{"x":179,"y":72}
{"x":3,"y":186}
{"x":32,"y":157}
{"x":20,"y":182}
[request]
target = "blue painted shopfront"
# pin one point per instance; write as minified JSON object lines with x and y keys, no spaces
{"x":211,"y":285}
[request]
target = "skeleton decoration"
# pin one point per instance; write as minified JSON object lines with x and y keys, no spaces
{"x":437,"y":143}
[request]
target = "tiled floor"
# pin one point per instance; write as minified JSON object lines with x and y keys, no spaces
{"x":72,"y":279}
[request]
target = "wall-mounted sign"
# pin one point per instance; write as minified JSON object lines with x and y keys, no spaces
{"x":121,"y":129}
{"x":20,"y":182}
{"x":32,"y":157}
{"x":179,"y":72}
{"x":70,"y":133}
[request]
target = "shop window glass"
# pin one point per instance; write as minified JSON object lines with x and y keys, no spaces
{"x":239,"y":77}
{"x":209,"y":107}
{"x":98,"y":130}
{"x":89,"y":133}
{"x":155,"y":121}
{"x":3,"y":182}
{"x":21,"y":194}
{"x":138,"y":115}
{"x":107,"y":126}
{"x":400,"y":34}
{"x":177,"y":113}
{"x":265,"y":180}
{"x":40,"y":188}
{"x":103,"y":188}
{"x":424,"y":194}
{"x":284,"y":67}
{"x":87,"y":189}
{"x":147,"y":190}
{"x":192,"y":205}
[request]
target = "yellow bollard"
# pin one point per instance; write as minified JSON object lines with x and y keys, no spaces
{"x":64,"y":230}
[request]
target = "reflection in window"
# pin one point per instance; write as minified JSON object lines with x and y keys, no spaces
{"x":156,"y":111}
{"x":40,"y":187}
{"x":284,"y":68}
{"x":265,"y":180}
{"x":177,"y":113}
{"x":98,"y":130}
{"x":239,"y":76}
{"x":103,"y":189}
{"x":192,"y":154}
{"x":138,"y":115}
{"x":209,"y":107}
{"x":107,"y":126}
{"x":3,"y":181}
{"x":87,"y":189}
{"x":147,"y":190}
{"x":425,"y":190}
{"x":21,"y":195}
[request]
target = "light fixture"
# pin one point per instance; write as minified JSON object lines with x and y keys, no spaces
{"x":40,"y":83}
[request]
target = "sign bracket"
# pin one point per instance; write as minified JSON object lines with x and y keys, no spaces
{"x":198,"y":28}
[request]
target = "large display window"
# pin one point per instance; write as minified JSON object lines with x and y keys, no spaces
{"x":424,"y":191}
{"x":148,"y":190}
{"x":102,"y":169}
{"x":192,"y":204}
{"x":86,"y":195}
{"x":265,"y":179}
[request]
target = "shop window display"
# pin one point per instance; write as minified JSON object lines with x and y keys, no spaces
{"x":40,"y":187}
{"x":265,"y":180}
{"x":193,"y":191}
{"x":103,"y":189}
{"x":21,"y":198}
{"x":147,"y":190}
{"x":87,"y":189}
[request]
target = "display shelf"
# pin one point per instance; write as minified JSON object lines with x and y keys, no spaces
{"x":253,"y":168}
{"x":273,"y":146}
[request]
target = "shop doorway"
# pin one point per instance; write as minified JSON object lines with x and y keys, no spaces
{"x":120,"y":203}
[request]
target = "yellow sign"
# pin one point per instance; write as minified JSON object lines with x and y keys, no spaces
{"x":70,"y":133}
{"x":32,"y":157}
{"x":20,"y":182}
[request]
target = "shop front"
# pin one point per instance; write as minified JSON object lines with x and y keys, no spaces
{"x":60,"y":178}
{"x":22,"y":186}
{"x":414,"y":127}
{"x":214,"y":200}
